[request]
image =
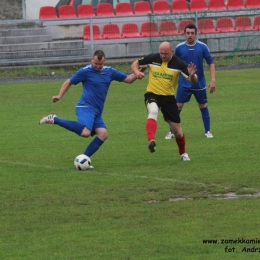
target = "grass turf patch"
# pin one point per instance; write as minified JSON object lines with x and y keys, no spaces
{"x":133,"y":204}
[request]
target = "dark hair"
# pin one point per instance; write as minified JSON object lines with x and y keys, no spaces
{"x":99,"y":54}
{"x":191,"y":26}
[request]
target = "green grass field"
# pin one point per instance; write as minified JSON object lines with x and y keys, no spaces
{"x":133,"y":205}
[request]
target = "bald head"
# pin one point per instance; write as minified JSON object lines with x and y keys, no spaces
{"x":165,"y":45}
{"x":166,"y":51}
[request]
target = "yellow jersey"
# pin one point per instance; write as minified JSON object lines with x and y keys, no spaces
{"x":163,"y":76}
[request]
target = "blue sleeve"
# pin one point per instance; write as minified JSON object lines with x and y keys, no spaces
{"x":177,"y":52}
{"x":79,"y":76}
{"x":118,"y":75}
{"x":207,"y":56}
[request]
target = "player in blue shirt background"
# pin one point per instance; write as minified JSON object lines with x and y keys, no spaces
{"x":96,"y":79}
{"x":195,"y":51}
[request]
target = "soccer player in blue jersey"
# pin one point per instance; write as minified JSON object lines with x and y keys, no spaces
{"x":195,"y":51}
{"x":95,"y":79}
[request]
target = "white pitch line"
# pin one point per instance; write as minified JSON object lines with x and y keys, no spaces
{"x":28,"y":164}
{"x":229,"y":195}
{"x":113,"y":174}
{"x":162,"y":179}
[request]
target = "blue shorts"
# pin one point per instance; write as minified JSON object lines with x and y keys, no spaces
{"x":87,"y":117}
{"x":184,"y":95}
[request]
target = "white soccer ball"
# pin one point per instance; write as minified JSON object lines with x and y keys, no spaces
{"x":82,"y":162}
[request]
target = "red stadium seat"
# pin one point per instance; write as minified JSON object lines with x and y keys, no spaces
{"x":252,"y":4}
{"x":168,"y":28}
{"x":96,"y":32}
{"x":111,"y":31}
{"x":149,"y":29}
{"x":130,"y":30}
{"x":243,"y":23}
{"x":257,"y":22}
{"x":67,"y":11}
{"x":235,"y":4}
{"x":161,"y":7}
{"x":206,"y":26}
{"x":182,"y":25}
{"x":198,"y":5}
{"x":142,"y":8}
{"x":105,"y":9}
{"x":47,"y":12}
{"x":86,"y":10}
{"x":124,"y":8}
{"x":180,"y":6}
{"x":225,"y":24}
{"x":216,"y":5}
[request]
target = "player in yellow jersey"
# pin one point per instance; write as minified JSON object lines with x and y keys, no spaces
{"x":164,"y":70}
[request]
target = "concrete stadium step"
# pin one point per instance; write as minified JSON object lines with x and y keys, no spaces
{"x":42,"y":54}
{"x":46,"y":60}
{"x":25,"y":39}
{"x":75,"y":44}
{"x":20,"y":24}
{"x":23,"y":32}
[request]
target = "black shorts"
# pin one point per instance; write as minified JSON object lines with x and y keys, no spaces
{"x":167,"y":104}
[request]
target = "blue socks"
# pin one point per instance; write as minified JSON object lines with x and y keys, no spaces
{"x":77,"y":128}
{"x":93,"y":146}
{"x":72,"y":126}
{"x":205,"y":118}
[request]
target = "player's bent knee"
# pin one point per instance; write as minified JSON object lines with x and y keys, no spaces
{"x":85,"y":133}
{"x":180,"y":106}
{"x":152,"y":110}
{"x":178,"y":135}
{"x":102,"y":133}
{"x":202,"y":105}
{"x":177,"y":130}
{"x":103,"y":136}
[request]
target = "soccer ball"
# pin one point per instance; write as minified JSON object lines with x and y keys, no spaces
{"x":82,"y":162}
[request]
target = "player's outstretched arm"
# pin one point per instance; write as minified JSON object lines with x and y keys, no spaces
{"x":130,"y":78}
{"x":64,"y":88}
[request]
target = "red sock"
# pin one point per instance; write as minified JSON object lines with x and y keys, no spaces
{"x":151,"y":126}
{"x":181,"y":144}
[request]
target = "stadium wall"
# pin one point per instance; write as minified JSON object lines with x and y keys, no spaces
{"x":226,"y":43}
{"x":32,"y":7}
{"x":25,"y":42}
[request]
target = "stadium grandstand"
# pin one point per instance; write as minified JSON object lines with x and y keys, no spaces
{"x":72,"y":29}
